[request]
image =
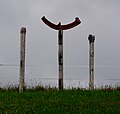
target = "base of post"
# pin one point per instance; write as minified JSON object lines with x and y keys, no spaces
{"x":60,"y":84}
{"x":91,"y":86}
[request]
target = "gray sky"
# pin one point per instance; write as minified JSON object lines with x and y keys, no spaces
{"x":99,"y":17}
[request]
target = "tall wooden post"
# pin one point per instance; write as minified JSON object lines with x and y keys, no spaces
{"x":60,"y":29}
{"x":60,"y":58}
{"x":22,"y":59}
{"x":91,"y":39}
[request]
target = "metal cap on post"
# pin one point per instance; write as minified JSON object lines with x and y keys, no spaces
{"x":22,"y":59}
{"x":23,"y":30}
{"x":91,"y":39}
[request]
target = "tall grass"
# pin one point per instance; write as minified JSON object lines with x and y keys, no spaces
{"x":40,"y":87}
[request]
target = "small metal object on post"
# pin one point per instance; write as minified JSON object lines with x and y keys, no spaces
{"x":22,"y":59}
{"x":91,"y":39}
{"x":60,"y":29}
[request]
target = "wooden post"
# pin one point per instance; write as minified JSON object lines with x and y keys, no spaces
{"x":22,"y":59}
{"x":60,"y":58}
{"x":60,"y":29}
{"x":91,"y":39}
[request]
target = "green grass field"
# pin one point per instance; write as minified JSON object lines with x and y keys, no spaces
{"x":60,"y":102}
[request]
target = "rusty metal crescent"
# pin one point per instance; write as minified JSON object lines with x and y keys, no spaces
{"x":59,"y":26}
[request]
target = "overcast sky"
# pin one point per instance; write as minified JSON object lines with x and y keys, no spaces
{"x":98,"y":17}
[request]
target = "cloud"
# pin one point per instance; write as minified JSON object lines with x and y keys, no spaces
{"x":100,"y":18}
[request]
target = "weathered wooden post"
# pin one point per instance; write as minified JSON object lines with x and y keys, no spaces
{"x":60,"y":29}
{"x":22,"y":59}
{"x":60,"y":58}
{"x":91,"y":39}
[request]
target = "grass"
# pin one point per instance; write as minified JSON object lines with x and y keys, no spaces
{"x":51,"y":101}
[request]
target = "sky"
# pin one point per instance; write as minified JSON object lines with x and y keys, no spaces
{"x":98,"y":17}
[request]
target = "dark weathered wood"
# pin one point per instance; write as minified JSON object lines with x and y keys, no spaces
{"x":22,"y":59}
{"x":60,"y":58}
{"x":91,"y":39}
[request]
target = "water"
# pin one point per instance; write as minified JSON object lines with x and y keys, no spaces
{"x":47,"y":75}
